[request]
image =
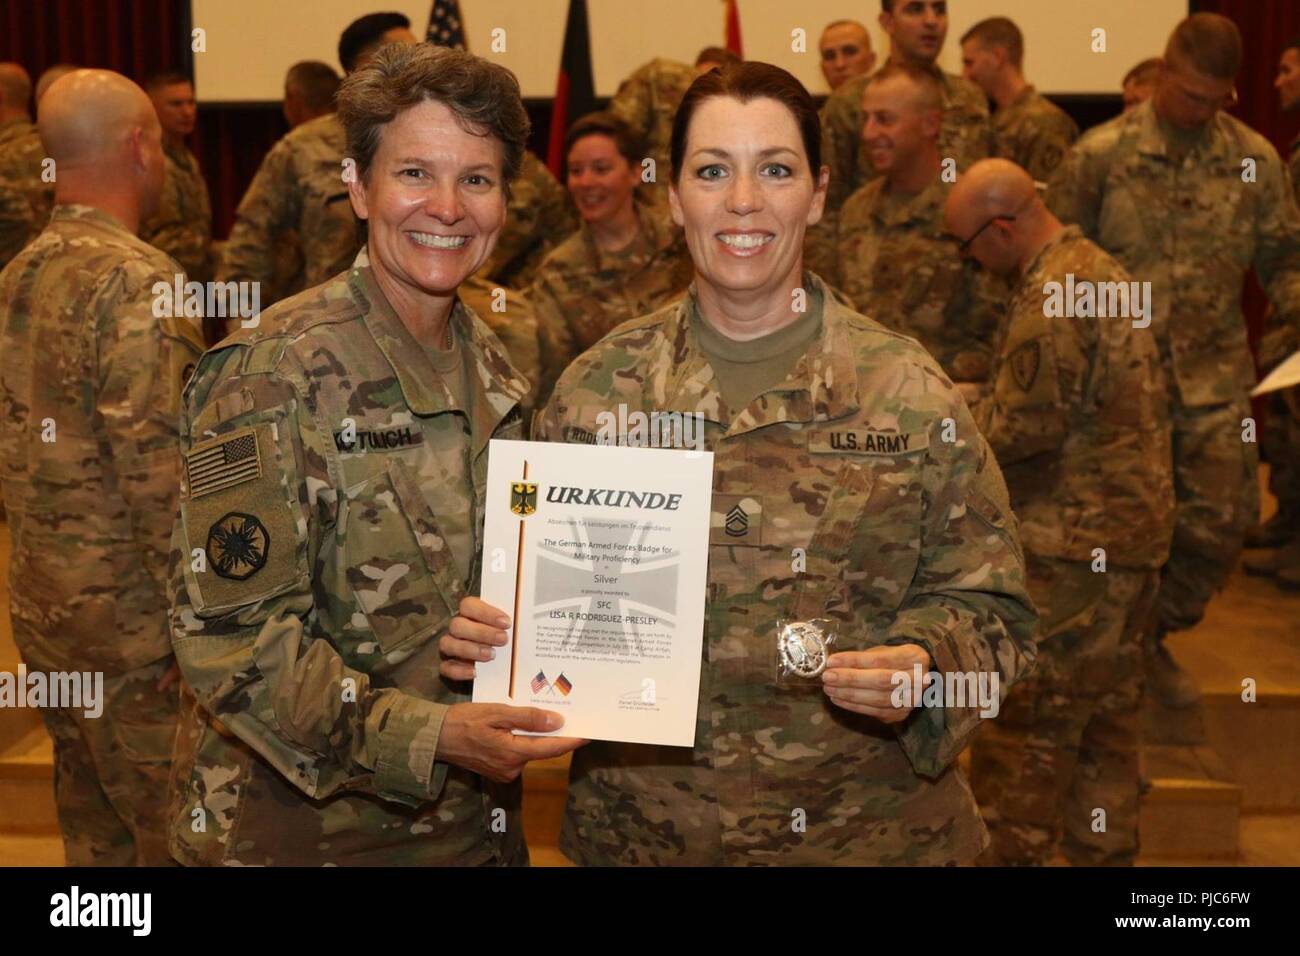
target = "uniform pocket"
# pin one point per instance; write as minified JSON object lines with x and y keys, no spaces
{"x":885,"y":548}
{"x":398,"y":565}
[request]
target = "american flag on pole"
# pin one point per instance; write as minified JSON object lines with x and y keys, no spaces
{"x":539,"y":682}
{"x":446,"y":28}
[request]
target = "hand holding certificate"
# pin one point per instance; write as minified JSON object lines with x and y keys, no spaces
{"x":599,"y":554}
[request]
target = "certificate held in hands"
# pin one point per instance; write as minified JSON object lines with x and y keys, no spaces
{"x":599,"y":554}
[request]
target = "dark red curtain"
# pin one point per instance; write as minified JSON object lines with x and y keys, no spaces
{"x":137,"y":38}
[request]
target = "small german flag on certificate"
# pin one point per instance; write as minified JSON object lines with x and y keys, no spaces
{"x":563,"y":685}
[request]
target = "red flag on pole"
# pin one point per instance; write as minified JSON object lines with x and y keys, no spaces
{"x":575,"y":90}
{"x":733,"y":30}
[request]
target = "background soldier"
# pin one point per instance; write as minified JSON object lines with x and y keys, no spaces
{"x":91,"y":383}
{"x":182,"y":226}
{"x":845,"y":48}
{"x":646,"y":101}
{"x":1028,"y":128}
{"x":1279,"y":537}
{"x":897,"y":262}
{"x":1078,"y":419}
{"x":916,"y":30}
{"x":25,"y":198}
{"x":539,"y":217}
{"x":1187,"y":197}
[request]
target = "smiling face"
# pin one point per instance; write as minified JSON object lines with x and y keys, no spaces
{"x":746,"y":196}
{"x":896,"y":128}
{"x":601,"y":180}
{"x":917,"y":28}
{"x":434,"y":199}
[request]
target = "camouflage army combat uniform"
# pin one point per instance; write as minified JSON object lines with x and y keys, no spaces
{"x":1192,"y":227}
{"x":182,"y":227}
{"x":1034,"y":133}
{"x":514,"y":322}
{"x":90,"y":386}
{"x":334,"y":483}
{"x":963,"y":137}
{"x":539,"y":216}
{"x":1078,"y":419}
{"x":581,"y":292}
{"x":25,"y":198}
{"x":299,"y":187}
{"x":908,"y":538}
{"x":647,"y":100}
{"x":1281,"y":444}
{"x":899,"y":266}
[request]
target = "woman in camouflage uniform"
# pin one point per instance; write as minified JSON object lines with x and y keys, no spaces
{"x":850,"y":484}
{"x":626,"y":260}
{"x":331,"y":515}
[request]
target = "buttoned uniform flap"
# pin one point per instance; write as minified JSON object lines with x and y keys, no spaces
{"x":399,"y":565}
{"x":184,"y":346}
{"x":244,"y":522}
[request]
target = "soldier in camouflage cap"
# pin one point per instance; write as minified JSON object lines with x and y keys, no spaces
{"x":628,"y":259}
{"x":1279,"y":537}
{"x":538,"y":218}
{"x":182,"y":226}
{"x":916,"y":30}
{"x":1028,"y":128}
{"x":1078,"y":418}
{"x":1188,"y":198}
{"x":331,"y":516}
{"x":25,"y":195}
{"x":850,"y":483}
{"x":897,"y":263}
{"x":91,"y":372}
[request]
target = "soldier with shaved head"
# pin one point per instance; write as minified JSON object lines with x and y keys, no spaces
{"x":90,"y":387}
{"x":1078,"y":420}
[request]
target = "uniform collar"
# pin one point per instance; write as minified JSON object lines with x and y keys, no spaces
{"x":1211,"y":144}
{"x":77,"y":212}
{"x":652,"y":237}
{"x":896,"y":208}
{"x":421,"y":386}
{"x":1065,"y":235}
{"x":823,"y":386}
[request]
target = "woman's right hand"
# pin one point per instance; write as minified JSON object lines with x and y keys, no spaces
{"x":473,"y":634}
{"x":481,"y":738}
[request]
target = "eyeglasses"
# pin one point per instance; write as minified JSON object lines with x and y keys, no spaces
{"x":965,"y":246}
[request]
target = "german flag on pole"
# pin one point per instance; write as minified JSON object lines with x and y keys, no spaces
{"x":575,"y":90}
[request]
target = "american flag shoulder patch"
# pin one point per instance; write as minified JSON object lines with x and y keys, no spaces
{"x":223,"y":462}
